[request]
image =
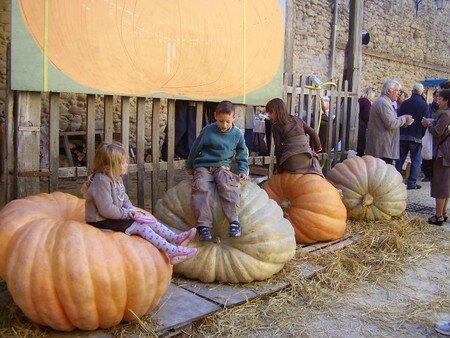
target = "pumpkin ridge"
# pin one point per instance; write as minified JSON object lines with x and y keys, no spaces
{"x":21,"y":292}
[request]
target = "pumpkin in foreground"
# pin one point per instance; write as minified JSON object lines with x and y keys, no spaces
{"x":311,"y":204}
{"x":266,"y":244}
{"x":372,"y":189}
{"x":66,"y":274}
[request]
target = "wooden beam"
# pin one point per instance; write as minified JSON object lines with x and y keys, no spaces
{"x":140,"y":151}
{"x":90,"y":130}
{"x":170,"y":143}
{"x":10,"y":151}
{"x":125,"y":129}
{"x":156,"y":111}
{"x":28,"y":141}
{"x":199,"y":119}
{"x":54,"y":141}
{"x":109,"y":118}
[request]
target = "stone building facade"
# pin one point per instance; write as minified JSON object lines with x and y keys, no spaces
{"x":403,"y":46}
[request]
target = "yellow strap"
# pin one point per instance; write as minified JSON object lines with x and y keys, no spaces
{"x":45,"y":61}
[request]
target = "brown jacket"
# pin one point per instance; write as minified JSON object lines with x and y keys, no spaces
{"x":383,"y":132}
{"x":290,"y":139}
{"x":106,"y":199}
{"x":440,"y":131}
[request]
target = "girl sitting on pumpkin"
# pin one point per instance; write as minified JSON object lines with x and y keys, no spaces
{"x":108,"y":206}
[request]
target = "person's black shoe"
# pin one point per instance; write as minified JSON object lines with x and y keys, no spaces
{"x":414,"y":187}
{"x":426,"y":179}
{"x":204,"y":234}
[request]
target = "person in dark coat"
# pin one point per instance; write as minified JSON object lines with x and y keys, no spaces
{"x":365,"y":102}
{"x":411,"y":136}
{"x":427,"y":165}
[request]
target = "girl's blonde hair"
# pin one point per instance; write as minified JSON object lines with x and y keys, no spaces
{"x":108,"y":160}
{"x":277,"y":107}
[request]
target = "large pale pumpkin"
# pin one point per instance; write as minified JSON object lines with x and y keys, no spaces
{"x":66,"y":274}
{"x":311,"y":204}
{"x":198,"y":48}
{"x":372,"y":189}
{"x":266,"y":244}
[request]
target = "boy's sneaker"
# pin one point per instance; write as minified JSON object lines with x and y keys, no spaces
{"x":443,"y":328}
{"x":182,"y":254}
{"x":204,"y":234}
{"x":184,"y":238}
{"x":235,"y":229}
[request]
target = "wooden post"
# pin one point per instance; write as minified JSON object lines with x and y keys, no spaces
{"x":90,"y":131}
{"x":125,"y":129}
{"x":27,"y":143}
{"x":170,"y":142}
{"x":352,"y":66}
{"x":9,"y":170}
{"x":199,"y":119}
{"x":109,"y":117}
{"x":156,"y":111}
{"x":140,"y":151}
{"x":54,"y":141}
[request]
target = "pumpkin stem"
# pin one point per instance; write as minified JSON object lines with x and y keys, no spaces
{"x":367,"y":200}
{"x":285,"y":205}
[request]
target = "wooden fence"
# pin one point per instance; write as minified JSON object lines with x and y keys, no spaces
{"x":23,"y":119}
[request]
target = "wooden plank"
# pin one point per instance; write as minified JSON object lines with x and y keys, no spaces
{"x":226,"y":295}
{"x":10,"y":162}
{"x":170,"y":143}
{"x":308,"y":269}
{"x":199,"y":119}
{"x":140,"y":151}
{"x":336,"y":99}
{"x":258,"y":170}
{"x":54,"y":103}
{"x":156,"y":112}
{"x":29,"y":115}
{"x":337,"y":246}
{"x":125,"y":130}
{"x":108,"y":119}
{"x":318,"y":246}
{"x":179,"y":307}
{"x":90,"y":130}
{"x":345,"y":119}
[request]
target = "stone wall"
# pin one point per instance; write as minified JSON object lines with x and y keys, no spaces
{"x":402,"y":46}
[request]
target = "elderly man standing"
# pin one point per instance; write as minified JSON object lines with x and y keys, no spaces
{"x":411,"y":136}
{"x":383,"y":134}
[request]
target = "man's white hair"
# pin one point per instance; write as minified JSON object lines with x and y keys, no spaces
{"x":418,"y":88}
{"x":389,"y":84}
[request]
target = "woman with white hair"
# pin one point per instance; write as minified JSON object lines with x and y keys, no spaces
{"x":383,"y":134}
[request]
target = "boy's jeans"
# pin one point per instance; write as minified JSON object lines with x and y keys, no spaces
{"x":203,"y":185}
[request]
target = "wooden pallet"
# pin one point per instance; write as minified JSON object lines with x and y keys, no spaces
{"x":187,"y":301}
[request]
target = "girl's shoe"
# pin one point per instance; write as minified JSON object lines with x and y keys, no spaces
{"x":445,"y":216}
{"x":435,"y":220}
{"x":182,"y":255}
{"x":184,"y":238}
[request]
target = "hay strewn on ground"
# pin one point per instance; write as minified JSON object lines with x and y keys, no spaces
{"x":386,"y":248}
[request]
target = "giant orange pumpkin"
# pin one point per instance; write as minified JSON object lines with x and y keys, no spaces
{"x":197,"y":48}
{"x":66,"y":274}
{"x":311,"y":204}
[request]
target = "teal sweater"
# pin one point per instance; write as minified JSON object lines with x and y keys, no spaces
{"x":214,"y":148}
